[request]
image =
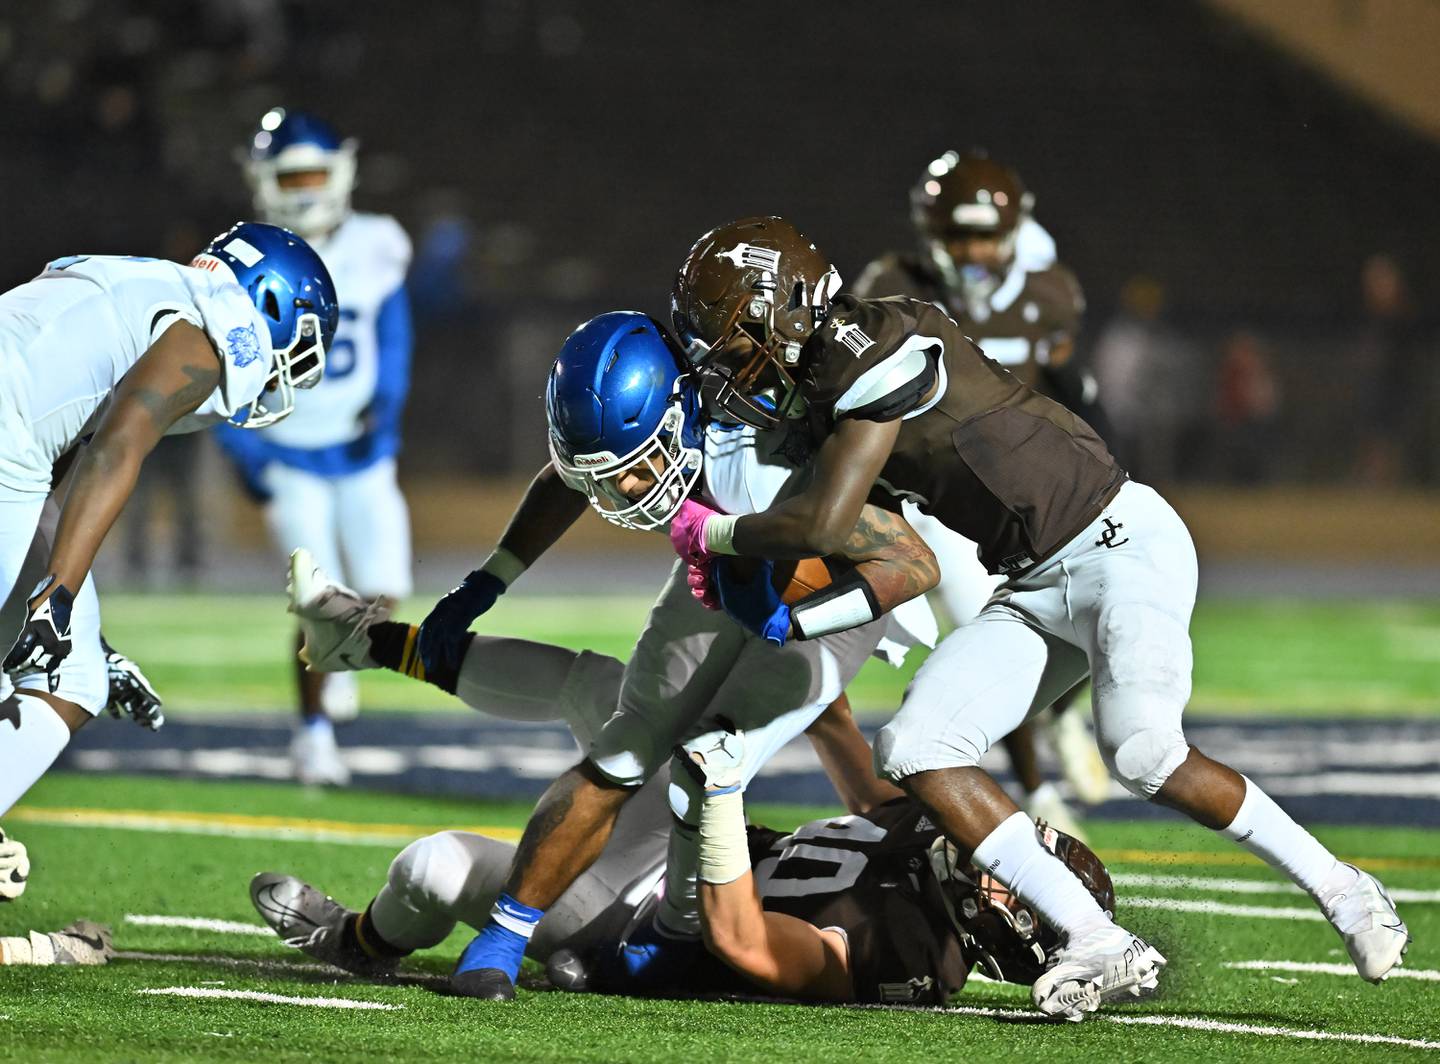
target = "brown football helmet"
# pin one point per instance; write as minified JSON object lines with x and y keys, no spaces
{"x":998,"y":931}
{"x":746,"y":299}
{"x":960,"y":197}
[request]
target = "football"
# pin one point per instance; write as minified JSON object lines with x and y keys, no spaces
{"x":796,"y":579}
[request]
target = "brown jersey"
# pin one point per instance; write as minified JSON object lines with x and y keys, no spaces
{"x":1031,"y":314}
{"x":988,"y":456}
{"x":870,"y":877}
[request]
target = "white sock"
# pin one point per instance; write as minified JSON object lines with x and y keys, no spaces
{"x":1268,"y":832}
{"x":1013,"y":854}
{"x":39,"y":737}
{"x":679,"y":912}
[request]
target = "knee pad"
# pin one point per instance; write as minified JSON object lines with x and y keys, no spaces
{"x":1142,"y":682}
{"x":1144,"y":760}
{"x":431,"y":872}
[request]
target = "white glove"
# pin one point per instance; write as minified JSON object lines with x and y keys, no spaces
{"x":715,"y":760}
{"x":14,"y":868}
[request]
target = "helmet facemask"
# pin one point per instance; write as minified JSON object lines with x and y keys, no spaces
{"x":312,"y":210}
{"x":299,"y":366}
{"x":665,"y":458}
{"x":974,"y":282}
{"x":996,"y":928}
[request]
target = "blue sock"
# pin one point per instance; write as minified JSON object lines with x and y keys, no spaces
{"x":501,"y":942}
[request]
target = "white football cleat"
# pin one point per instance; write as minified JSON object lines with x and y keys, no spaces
{"x":1044,"y":803}
{"x":1358,"y":907}
{"x":336,"y":620}
{"x":1106,"y":964}
{"x":316,"y":756}
{"x":312,"y":922}
{"x":1080,"y":762}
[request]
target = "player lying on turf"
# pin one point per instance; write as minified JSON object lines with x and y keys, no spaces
{"x":623,"y":425}
{"x":1100,"y":577}
{"x":625,"y":435}
{"x":124,"y":351}
{"x":868,"y":907}
{"x":83,"y":942}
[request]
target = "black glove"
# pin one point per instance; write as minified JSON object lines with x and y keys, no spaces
{"x":444,"y":630}
{"x":45,"y":640}
{"x":130,"y":691}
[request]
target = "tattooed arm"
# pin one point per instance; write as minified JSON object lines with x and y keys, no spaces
{"x":891,"y":557}
{"x":170,"y":380}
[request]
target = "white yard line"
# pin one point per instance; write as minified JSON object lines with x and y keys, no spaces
{"x":1325,"y":968}
{"x":1242,"y":886}
{"x":269,"y":999}
{"x":1218,"y":908}
{"x":201,"y":923}
{"x":1199,"y":1023}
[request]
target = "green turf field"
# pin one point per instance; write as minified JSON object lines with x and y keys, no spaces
{"x":188,"y":849}
{"x":209,"y":652}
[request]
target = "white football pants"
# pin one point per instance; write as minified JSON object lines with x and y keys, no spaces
{"x":1114,"y":602}
{"x":357,"y":526}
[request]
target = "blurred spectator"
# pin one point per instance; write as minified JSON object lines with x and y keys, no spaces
{"x":1391,"y":385}
{"x":1152,"y":379}
{"x":1247,"y":406}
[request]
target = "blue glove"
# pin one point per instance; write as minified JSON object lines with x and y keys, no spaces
{"x":754,"y":604}
{"x":444,"y":630}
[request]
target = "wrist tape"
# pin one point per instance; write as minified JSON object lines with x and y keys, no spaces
{"x":724,"y":849}
{"x":504,"y":566}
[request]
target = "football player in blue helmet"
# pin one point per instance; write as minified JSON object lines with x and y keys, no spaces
{"x":624,"y":420}
{"x":327,"y":477}
{"x":119,"y":351}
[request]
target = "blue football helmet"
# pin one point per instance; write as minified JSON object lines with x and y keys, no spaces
{"x":291,"y":288}
{"x":620,"y":400}
{"x":289,"y":142}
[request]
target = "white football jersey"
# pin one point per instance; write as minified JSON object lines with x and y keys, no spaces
{"x":367,"y":258}
{"x":68,"y":336}
{"x":746,"y":473}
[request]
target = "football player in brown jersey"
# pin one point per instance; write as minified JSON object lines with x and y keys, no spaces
{"x":1100,"y":578}
{"x":990,"y":266}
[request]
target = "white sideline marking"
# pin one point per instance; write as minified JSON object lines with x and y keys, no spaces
{"x":1323,"y":968}
{"x":1243,"y":886}
{"x":1219,"y":908}
{"x":200,"y":923}
{"x":271,"y":999}
{"x":1199,"y":1023}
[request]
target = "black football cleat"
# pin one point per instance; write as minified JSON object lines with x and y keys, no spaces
{"x":567,"y":970}
{"x":487,"y":984}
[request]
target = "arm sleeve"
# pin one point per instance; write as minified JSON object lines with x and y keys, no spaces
{"x":395,"y":338}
